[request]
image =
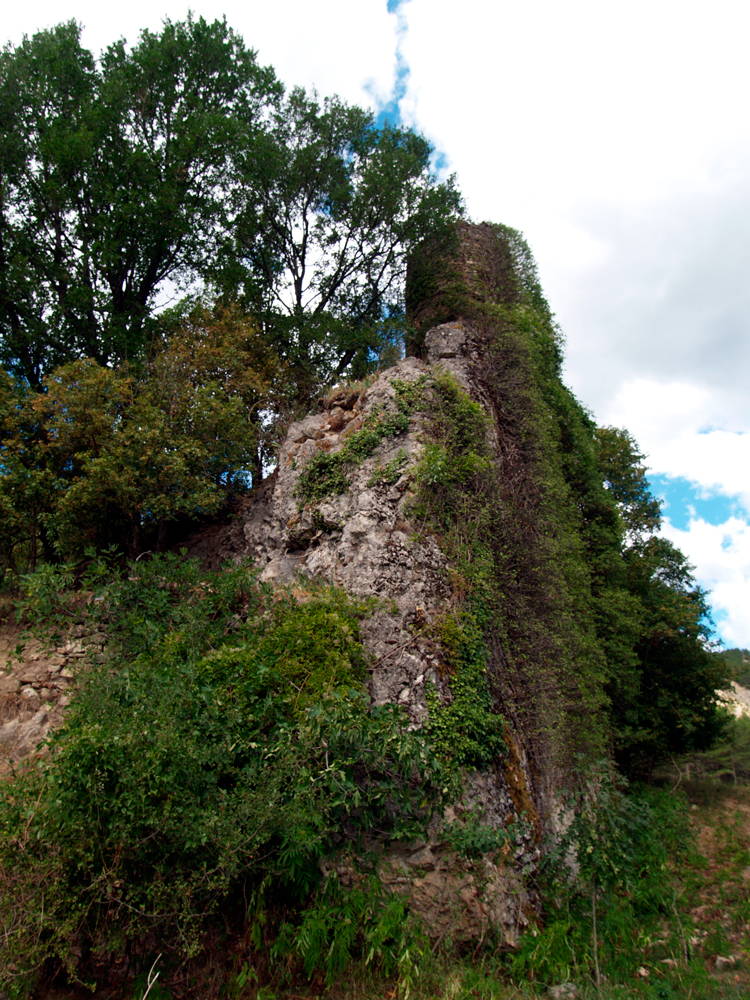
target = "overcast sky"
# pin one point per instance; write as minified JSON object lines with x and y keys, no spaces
{"x":615,"y":137}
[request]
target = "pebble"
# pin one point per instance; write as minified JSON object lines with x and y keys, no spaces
{"x":724,"y":962}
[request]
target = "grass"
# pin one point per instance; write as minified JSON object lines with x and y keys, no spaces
{"x":677,"y":959}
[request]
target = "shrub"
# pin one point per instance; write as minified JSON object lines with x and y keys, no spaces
{"x":225,"y":740}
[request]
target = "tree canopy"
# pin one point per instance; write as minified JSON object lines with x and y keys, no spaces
{"x":324,"y":230}
{"x":655,"y":623}
{"x":181,"y":160}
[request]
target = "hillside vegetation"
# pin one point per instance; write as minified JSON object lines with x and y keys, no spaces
{"x":214,"y":805}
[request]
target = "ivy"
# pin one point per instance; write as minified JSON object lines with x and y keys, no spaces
{"x":328,"y":474}
{"x":410,"y":394}
{"x":467,"y":731}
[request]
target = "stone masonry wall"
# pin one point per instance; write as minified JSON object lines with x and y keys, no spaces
{"x":36,"y":685}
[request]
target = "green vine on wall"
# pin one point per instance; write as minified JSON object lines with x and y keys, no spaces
{"x":328,"y":474}
{"x":467,"y":731}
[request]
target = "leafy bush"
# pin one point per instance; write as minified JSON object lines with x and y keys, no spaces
{"x":361,"y":921}
{"x":606,"y":880}
{"x":225,"y":740}
{"x":105,"y":455}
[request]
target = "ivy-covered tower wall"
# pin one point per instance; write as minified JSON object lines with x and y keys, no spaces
{"x":543,"y":524}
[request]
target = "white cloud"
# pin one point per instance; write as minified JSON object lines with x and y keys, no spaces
{"x":541,"y":102}
{"x":670,"y":421}
{"x":721,"y":556}
{"x":335,"y":46}
{"x":668,"y":298}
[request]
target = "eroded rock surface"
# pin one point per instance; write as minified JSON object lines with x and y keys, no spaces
{"x":367,"y":540}
{"x":364,"y":539}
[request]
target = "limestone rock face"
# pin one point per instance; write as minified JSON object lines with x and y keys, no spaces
{"x":363,"y":540}
{"x":367,"y":541}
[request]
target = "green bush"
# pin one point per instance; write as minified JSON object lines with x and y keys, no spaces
{"x":225,"y":740}
{"x":606,"y":881}
{"x":362,"y":921}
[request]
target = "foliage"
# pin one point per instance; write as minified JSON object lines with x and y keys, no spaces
{"x":116,"y":177}
{"x":675,"y":708}
{"x":225,"y":740}
{"x":467,"y":731}
{"x":623,"y":621}
{"x":327,"y":474}
{"x":621,"y":464}
{"x":738,"y":662}
{"x":359,"y":921}
{"x":107,"y":456}
{"x":597,"y":635}
{"x":326,"y":227}
{"x":606,"y":879}
{"x":727,"y":761}
{"x":508,"y":569}
{"x":180,"y":159}
{"x":471,"y":838}
{"x":390,"y":474}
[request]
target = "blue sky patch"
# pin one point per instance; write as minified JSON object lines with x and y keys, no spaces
{"x":720,"y":618}
{"x":390,"y":113}
{"x":684,"y":499}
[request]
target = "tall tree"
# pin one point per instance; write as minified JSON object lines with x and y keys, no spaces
{"x":327,"y":224}
{"x":621,"y":463}
{"x":181,"y":160}
{"x":654,"y":623}
{"x":114,"y":179}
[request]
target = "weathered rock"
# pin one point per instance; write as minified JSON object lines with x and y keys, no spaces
{"x":366,"y":541}
{"x":724,"y":962}
{"x":563,"y":991}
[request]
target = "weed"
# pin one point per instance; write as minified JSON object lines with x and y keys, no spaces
{"x":391,"y":472}
{"x":410,"y":395}
{"x":327,"y":474}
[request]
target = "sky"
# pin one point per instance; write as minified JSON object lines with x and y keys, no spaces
{"x":616,"y":137}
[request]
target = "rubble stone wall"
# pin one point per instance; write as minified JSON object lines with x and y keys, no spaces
{"x":36,"y":685}
{"x":366,"y":540}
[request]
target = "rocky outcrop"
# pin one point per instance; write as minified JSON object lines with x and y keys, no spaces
{"x":366,"y":540}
